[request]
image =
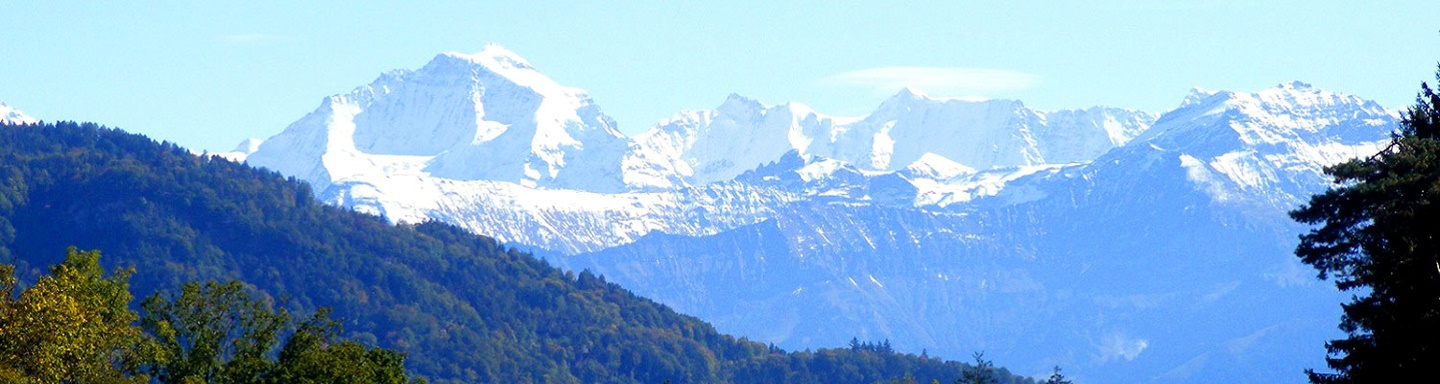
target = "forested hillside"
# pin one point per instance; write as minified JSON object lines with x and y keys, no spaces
{"x":464,"y":308}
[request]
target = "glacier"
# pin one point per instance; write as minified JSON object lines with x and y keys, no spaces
{"x":1123,"y":245}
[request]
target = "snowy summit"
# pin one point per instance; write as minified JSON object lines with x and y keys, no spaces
{"x":483,"y":116}
{"x":971,"y":213}
{"x":10,"y":115}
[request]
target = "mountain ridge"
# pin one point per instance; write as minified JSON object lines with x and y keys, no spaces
{"x":677,"y":158}
{"x":464,"y":308}
{"x":692,"y":148}
{"x":966,"y":212}
{"x":1118,"y":269}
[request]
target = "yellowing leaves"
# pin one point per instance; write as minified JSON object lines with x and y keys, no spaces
{"x":72,"y":326}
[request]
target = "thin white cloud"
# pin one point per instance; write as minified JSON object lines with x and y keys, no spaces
{"x":1117,"y":346}
{"x":250,"y":38}
{"x":938,"y":81}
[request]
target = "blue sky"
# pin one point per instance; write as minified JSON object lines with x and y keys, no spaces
{"x":210,"y":74}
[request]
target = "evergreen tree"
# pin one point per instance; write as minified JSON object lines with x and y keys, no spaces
{"x":1377,"y":236}
{"x":1057,"y":378}
{"x":982,"y":372}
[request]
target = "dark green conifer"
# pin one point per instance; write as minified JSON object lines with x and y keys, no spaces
{"x":981,"y":372}
{"x":1378,"y":237}
{"x":1057,"y":378}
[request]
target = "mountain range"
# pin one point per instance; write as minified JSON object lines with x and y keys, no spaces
{"x":460,"y":307}
{"x":1125,"y":245}
{"x":1166,"y":259}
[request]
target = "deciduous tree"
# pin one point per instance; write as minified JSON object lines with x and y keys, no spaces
{"x":220,"y":332}
{"x":73,"y":326}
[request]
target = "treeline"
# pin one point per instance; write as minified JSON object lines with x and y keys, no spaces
{"x":461,"y":307}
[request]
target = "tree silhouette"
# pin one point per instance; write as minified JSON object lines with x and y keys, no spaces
{"x":1377,"y":237}
{"x":982,"y":372}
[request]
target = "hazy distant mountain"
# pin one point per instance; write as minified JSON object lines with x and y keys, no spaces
{"x":11,"y":115}
{"x":702,"y":147}
{"x":1167,"y":259}
{"x":1129,"y":246}
{"x":544,"y":167}
{"x":242,"y":150}
{"x":461,"y":307}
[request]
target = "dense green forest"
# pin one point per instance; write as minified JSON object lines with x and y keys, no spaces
{"x":460,"y":306}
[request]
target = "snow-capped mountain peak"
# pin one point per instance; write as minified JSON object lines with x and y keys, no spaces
{"x":909,"y":93}
{"x":248,"y":146}
{"x":932,"y":166}
{"x":738,"y":106}
{"x":1266,"y":148}
{"x":697,"y":148}
{"x":1285,"y":114}
{"x":977,"y":134}
{"x":1196,"y":96}
{"x":938,"y":198}
{"x":908,"y":99}
{"x":483,"y":116}
{"x":10,"y":115}
{"x":494,"y":57}
{"x":241,"y":151}
{"x":509,"y":67}
{"x":702,"y":147}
